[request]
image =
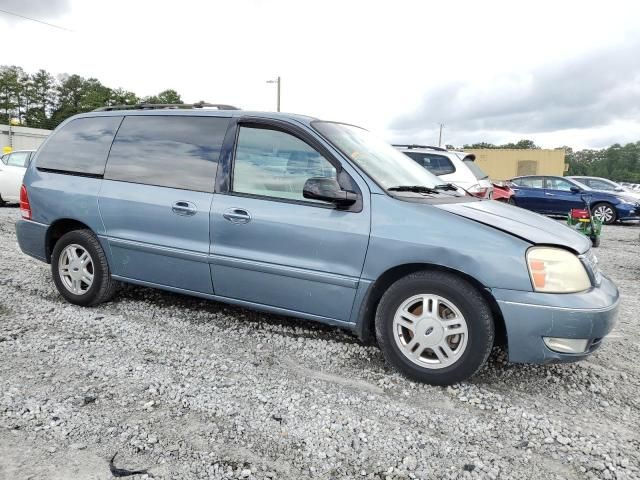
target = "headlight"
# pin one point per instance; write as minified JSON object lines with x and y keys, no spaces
{"x":554,"y":270}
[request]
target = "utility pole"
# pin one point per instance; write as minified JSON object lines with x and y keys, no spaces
{"x":440,"y":136}
{"x":278,"y":82}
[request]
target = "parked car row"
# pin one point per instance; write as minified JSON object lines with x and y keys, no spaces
{"x":551,"y":195}
{"x":317,"y":220}
{"x":548,"y":195}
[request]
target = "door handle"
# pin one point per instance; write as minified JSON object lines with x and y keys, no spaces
{"x":237,"y":215}
{"x":550,"y":194}
{"x":184,"y":208}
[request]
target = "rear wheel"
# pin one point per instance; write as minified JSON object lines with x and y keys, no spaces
{"x":2,"y":202}
{"x":80,"y":269}
{"x":434,"y":327}
{"x":605,"y":213}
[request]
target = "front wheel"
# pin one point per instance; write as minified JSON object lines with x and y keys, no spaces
{"x":605,"y":213}
{"x":80,"y":269}
{"x":434,"y":327}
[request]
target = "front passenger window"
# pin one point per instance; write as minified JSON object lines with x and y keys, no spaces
{"x":558,"y":184}
{"x":276,"y":164}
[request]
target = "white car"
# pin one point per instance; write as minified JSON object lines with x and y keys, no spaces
{"x":458,"y":168}
{"x":606,"y":185}
{"x":12,"y":168}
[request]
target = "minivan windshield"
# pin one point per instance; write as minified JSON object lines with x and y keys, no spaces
{"x":388,"y":167}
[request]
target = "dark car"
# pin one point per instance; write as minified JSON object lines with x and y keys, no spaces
{"x":558,"y":195}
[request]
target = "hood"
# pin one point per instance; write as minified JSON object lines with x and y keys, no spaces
{"x":520,"y":223}
{"x":629,"y":197}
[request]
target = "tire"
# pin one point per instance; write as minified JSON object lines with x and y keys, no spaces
{"x":605,"y":212}
{"x":595,"y":241}
{"x":511,"y":201}
{"x":452,"y":293}
{"x":2,"y":202}
{"x":101,"y":288}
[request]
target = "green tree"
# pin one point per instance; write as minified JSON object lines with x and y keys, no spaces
{"x":120,"y":96}
{"x":42,"y":95}
{"x":11,"y":91}
{"x":42,"y":101}
{"x":69,"y":97}
{"x":481,"y":145}
{"x":521,"y":145}
{"x":166,"y":96}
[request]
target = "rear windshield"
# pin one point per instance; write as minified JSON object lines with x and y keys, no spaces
{"x":477,"y":171}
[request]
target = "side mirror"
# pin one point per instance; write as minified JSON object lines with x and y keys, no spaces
{"x":575,"y":189}
{"x":328,"y":190}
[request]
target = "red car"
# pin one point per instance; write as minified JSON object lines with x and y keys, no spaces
{"x":503,"y":192}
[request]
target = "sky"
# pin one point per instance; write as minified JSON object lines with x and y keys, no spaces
{"x":556,"y":72}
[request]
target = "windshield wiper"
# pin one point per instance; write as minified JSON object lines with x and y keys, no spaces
{"x":413,"y":188}
{"x":452,"y":187}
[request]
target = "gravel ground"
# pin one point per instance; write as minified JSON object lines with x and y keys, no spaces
{"x":196,"y":389}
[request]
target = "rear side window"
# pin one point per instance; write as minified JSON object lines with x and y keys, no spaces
{"x":436,"y":164}
{"x":477,"y":171}
{"x":598,"y":184}
{"x":18,"y":159}
{"x":81,"y":146}
{"x":168,"y":151}
{"x":531,"y":182}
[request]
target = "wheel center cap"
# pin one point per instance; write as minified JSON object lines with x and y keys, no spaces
{"x":431,"y":332}
{"x":75,"y":271}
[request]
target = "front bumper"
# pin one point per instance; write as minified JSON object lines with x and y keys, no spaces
{"x":628,"y":212}
{"x":530,"y":316}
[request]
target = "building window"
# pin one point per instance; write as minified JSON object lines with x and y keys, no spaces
{"x":527,"y":167}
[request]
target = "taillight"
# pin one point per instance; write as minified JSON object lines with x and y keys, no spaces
{"x":478,"y":191}
{"x":25,"y":208}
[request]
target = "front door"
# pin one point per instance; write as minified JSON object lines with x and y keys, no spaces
{"x":269,"y":244}
{"x":559,"y":197}
{"x":156,"y":196}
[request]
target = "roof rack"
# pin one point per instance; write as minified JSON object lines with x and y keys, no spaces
{"x":160,"y":106}
{"x":413,"y":145}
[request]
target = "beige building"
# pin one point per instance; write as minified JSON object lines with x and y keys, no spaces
{"x":503,"y":164}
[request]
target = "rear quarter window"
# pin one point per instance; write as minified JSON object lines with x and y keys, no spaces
{"x":80,"y":146}
{"x":168,"y":151}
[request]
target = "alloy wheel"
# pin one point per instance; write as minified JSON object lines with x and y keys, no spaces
{"x":430,"y":331}
{"x":604,"y":213}
{"x":75,"y":268}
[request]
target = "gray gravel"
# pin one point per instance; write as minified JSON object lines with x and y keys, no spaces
{"x":196,"y":389}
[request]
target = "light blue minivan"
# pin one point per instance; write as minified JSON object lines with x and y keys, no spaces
{"x":313,"y":219}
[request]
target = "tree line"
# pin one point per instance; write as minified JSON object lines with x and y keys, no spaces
{"x":40,"y":100}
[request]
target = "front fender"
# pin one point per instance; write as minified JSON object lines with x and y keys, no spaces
{"x":409,"y":233}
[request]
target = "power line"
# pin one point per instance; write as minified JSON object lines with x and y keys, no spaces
{"x":35,"y":20}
